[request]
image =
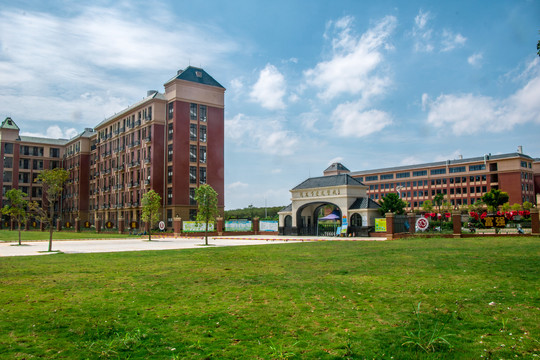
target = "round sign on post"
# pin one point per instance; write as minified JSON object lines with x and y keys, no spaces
{"x":161,"y":225}
{"x":422,"y":224}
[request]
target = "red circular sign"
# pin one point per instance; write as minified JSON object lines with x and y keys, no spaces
{"x":422,"y":223}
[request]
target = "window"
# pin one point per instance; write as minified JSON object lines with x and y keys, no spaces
{"x":193,"y":112}
{"x":8,"y":162}
{"x":170,"y":131}
{"x":169,"y":218}
{"x":169,"y":174}
{"x":438,"y":171}
{"x":192,"y":132}
{"x":7,"y":176}
{"x":37,"y":165}
{"x":192,"y":196}
{"x":202,"y":175}
{"x":8,"y":148}
{"x":387,"y":176}
{"x":403,"y":175}
{"x":169,"y":196}
{"x":169,"y":152}
{"x":202,"y":113}
{"x":202,"y":133}
{"x":524,"y":164}
{"x":171,"y":110}
{"x":419,"y":173}
{"x":477,"y":167}
{"x":192,"y":214}
{"x":149,"y":115}
{"x":458,"y":169}
{"x":372,"y":178}
{"x":202,"y":154}
{"x":54,"y":152}
{"x":192,"y":174}
{"x":192,"y":153}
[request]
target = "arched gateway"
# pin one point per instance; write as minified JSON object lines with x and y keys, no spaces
{"x":337,"y":189}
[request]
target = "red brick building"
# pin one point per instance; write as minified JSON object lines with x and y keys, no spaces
{"x":170,"y":142}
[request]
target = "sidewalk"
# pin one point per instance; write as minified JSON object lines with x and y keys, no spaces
{"x":170,"y":243}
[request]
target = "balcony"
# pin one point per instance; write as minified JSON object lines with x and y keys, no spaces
{"x":134,"y":163}
{"x":147,"y":160}
{"x":148,"y":139}
{"x":146,"y":182}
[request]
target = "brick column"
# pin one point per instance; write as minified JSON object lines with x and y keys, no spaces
{"x":219,"y":226}
{"x":177,"y":225}
{"x":121,"y":225}
{"x":412,"y":222}
{"x":58,"y":224}
{"x":389,"y":225}
{"x":77,"y":225}
{"x":535,"y":222}
{"x":256,"y":225}
{"x":456,"y":222}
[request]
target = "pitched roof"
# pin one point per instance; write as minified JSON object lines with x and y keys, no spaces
{"x":8,"y":123}
{"x":336,"y":166}
{"x":326,"y":181}
{"x":45,"y":141}
{"x":364,"y":203}
{"x":196,"y":75}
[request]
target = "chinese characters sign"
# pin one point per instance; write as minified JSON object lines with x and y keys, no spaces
{"x":494,"y":221}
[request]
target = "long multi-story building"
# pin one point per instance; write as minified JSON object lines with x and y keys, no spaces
{"x":170,"y":142}
{"x":461,"y":181}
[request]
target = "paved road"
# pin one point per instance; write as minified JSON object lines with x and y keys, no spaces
{"x":106,"y":245}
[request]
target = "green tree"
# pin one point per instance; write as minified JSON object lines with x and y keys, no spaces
{"x":392,"y":203}
{"x":505,"y":207}
{"x":494,"y":198}
{"x":438,"y":200}
{"x":207,"y":200}
{"x":527,"y":205}
{"x":427,"y":206}
{"x":16,"y":208}
{"x":151,"y":203}
{"x":516,"y":207}
{"x":53,"y":185}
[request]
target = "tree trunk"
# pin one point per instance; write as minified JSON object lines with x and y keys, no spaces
{"x":20,"y":233}
{"x":206,"y":233}
{"x":51,"y":216}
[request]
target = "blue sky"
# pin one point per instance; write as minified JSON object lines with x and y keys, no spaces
{"x":369,"y":84}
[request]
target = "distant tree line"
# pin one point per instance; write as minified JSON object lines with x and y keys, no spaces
{"x":269,"y":213}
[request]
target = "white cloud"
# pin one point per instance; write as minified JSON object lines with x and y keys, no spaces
{"x":475,"y":59}
{"x":352,"y":120}
{"x":53,"y":132}
{"x":267,"y":136}
{"x":269,"y":89}
{"x":450,"y":40}
{"x":237,"y":185}
{"x":471,"y":114}
{"x":354,"y":61}
{"x":421,"y":33}
{"x":55,"y":59}
{"x":425,"y":37}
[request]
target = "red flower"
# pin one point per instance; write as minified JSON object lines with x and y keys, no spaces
{"x":484,"y":214}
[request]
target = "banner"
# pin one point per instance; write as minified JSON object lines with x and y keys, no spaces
{"x":380,"y":225}
{"x":238,"y":225}
{"x":196,"y":226}
{"x":267,"y":225}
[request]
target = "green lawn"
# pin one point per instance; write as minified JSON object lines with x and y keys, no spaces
{"x":8,"y":235}
{"x":323,"y":300}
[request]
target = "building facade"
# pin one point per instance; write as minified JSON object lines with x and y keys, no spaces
{"x":170,"y":142}
{"x":461,"y":181}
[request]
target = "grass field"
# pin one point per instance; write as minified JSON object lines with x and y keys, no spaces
{"x":323,"y":300}
{"x":8,"y":235}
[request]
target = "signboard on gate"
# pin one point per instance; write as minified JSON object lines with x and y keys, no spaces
{"x":380,"y":225}
{"x":422,"y":224}
{"x":494,"y":221}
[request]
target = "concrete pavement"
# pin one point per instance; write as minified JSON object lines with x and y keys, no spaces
{"x":139,"y":244}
